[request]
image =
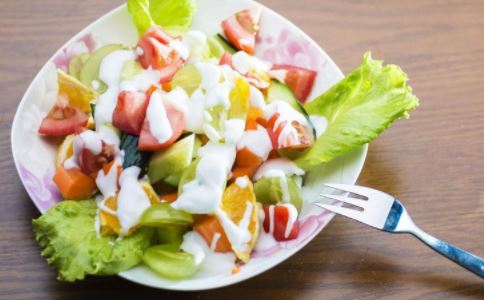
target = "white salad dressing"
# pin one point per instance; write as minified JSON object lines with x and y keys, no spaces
{"x":257,"y":141}
{"x":320,"y":124}
{"x":132,"y":199}
{"x":215,"y":238}
{"x":209,"y":73}
{"x":204,"y":193}
{"x":237,"y":234}
{"x":287,"y":166}
{"x":142,"y":81}
{"x":108,"y":183}
{"x":291,"y":220}
{"x":192,"y":45}
{"x":256,"y":98}
{"x":196,"y":113}
{"x":245,"y":63}
{"x":178,"y":99}
{"x":233,"y":130}
{"x":88,"y":139}
{"x":241,"y":182}
{"x":219,"y":95}
{"x":157,"y":118}
{"x":110,"y":73}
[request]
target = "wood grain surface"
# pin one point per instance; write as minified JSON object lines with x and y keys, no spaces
{"x":433,"y":162}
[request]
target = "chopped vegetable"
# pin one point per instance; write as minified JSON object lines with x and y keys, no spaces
{"x":357,"y":109}
{"x":69,"y":241}
{"x":74,"y":184}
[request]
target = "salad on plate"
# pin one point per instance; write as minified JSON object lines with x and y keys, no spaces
{"x":187,"y":153}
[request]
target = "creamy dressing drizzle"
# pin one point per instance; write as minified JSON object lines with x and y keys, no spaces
{"x":287,"y":166}
{"x":204,"y":193}
{"x":257,"y":141}
{"x":211,"y":263}
{"x":110,"y":73}
{"x":132,"y":199}
{"x":158,"y":122}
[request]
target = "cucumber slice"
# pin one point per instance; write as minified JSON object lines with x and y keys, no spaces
{"x":280,"y":91}
{"x":226,"y":45}
{"x":173,"y":265}
{"x":269,"y":190}
{"x":172,"y":160}
{"x":90,"y":69}
{"x":160,"y":214}
{"x":188,"y":175}
{"x":188,"y":78}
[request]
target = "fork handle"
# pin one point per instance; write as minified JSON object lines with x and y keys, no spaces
{"x":461,"y":257}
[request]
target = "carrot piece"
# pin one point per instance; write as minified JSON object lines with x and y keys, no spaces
{"x":246,"y":158}
{"x":273,"y":154}
{"x":73,"y":184}
{"x":243,"y":171}
{"x":252,"y":116}
{"x":171,"y":197}
{"x":207,"y":227}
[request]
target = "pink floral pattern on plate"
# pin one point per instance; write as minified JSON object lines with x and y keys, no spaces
{"x":87,"y":43}
{"x":43,"y":191}
{"x":291,"y":49}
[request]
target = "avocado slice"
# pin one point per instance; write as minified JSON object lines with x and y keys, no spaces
{"x":172,"y":160}
{"x":90,"y":69}
{"x":268,"y":190}
{"x":188,"y":175}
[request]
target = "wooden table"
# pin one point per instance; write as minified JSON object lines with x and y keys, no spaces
{"x":434,"y":162}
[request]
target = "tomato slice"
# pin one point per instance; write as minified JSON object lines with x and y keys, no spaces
{"x":130,"y":111}
{"x":226,"y":59}
{"x":242,"y":28}
{"x":63,"y":120}
{"x":299,"y":80}
{"x":158,"y":54}
{"x":147,"y":142}
{"x":91,"y":163}
{"x":280,"y":222}
{"x":301,"y":140}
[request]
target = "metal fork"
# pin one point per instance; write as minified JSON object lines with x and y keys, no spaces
{"x":386,"y":213}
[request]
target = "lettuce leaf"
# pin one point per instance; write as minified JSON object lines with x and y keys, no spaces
{"x":358,"y":109}
{"x":70,"y":243}
{"x":175,"y":16}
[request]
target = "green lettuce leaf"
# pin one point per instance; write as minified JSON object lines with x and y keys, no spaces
{"x":358,"y":109}
{"x":70,"y":243}
{"x":175,"y":16}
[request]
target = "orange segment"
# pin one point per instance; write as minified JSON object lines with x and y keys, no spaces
{"x":235,"y":201}
{"x":79,"y":95}
{"x":171,"y":197}
{"x":109,"y":222}
{"x":66,"y":150}
{"x":252,"y":116}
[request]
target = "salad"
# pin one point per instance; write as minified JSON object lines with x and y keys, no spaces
{"x":186,"y":152}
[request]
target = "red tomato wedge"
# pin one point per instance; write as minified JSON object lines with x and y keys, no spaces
{"x":299,"y":80}
{"x":63,"y":119}
{"x":242,"y":28}
{"x":280,"y":222}
{"x":301,"y":140}
{"x":158,"y":54}
{"x":130,"y":111}
{"x":176,"y":118}
{"x":91,"y":163}
{"x":226,"y":59}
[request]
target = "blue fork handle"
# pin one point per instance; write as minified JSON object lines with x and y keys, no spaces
{"x":461,"y":257}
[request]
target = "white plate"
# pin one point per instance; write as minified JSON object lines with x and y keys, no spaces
{"x":279,"y":41}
